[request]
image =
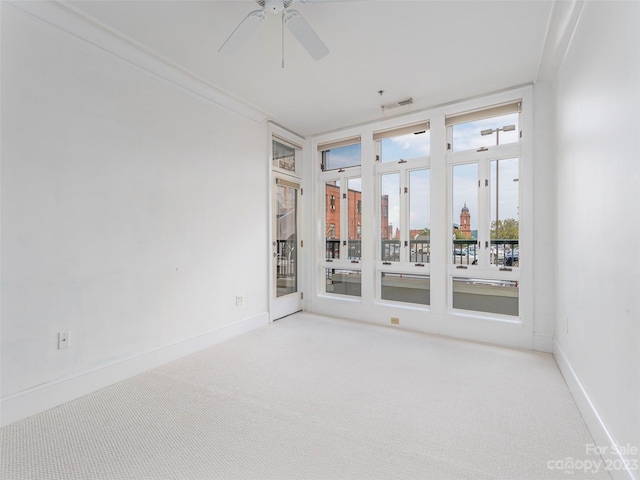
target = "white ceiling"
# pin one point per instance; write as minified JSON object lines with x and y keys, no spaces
{"x":433,"y":51}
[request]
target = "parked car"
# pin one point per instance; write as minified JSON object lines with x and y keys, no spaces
{"x":497,"y":253}
{"x":512,"y":258}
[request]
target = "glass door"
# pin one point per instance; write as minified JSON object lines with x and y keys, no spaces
{"x":286,"y":297}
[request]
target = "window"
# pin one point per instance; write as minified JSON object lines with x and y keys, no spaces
{"x":465,"y":213}
{"x":452,"y":214}
{"x":486,"y":295}
{"x":354,"y":220}
{"x":404,"y":215}
{"x":332,"y":219}
{"x":485,"y":200}
{"x":403,"y":143}
{"x":419,"y":215}
{"x":343,"y":282}
{"x":485,"y":128}
{"x":286,"y":231}
{"x":390,"y":216}
{"x":504,"y":196}
{"x":343,"y":213}
{"x":340,"y":155}
{"x":343,"y":237}
{"x":406,"y":288}
{"x":284,"y":155}
{"x":404,"y":185}
{"x":480,"y":234}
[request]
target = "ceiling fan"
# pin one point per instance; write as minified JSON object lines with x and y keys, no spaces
{"x":295,"y":22}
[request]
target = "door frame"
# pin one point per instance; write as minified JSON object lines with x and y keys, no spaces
{"x":288,"y":304}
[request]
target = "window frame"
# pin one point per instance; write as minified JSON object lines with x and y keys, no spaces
{"x":404,"y":265}
{"x":345,"y":142}
{"x":439,"y":317}
{"x":298,"y":149}
{"x":484,"y":270}
{"x":485,"y":113}
{"x":343,"y":176}
{"x":415,"y":129}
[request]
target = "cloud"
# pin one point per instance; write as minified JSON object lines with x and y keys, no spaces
{"x":405,"y":147}
{"x":468,"y":136}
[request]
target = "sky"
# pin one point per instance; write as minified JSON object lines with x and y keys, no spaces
{"x":467,"y":136}
{"x":405,"y":147}
{"x":342,"y":157}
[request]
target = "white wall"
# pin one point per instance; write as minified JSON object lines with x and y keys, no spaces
{"x":596,"y":98}
{"x":544,"y":211}
{"x":133,"y":212}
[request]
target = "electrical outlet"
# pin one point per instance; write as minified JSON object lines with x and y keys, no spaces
{"x":239,"y":300}
{"x":395,"y":321}
{"x":63,"y":340}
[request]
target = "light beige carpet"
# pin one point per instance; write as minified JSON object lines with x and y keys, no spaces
{"x":310,"y":397}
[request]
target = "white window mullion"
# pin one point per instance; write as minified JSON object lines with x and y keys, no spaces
{"x":344,"y":214}
{"x":353,"y":209}
{"x":404,"y":216}
{"x":484,"y":213}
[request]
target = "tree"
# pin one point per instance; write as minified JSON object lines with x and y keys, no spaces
{"x":507,"y":229}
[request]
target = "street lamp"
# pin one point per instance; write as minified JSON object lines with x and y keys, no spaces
{"x":489,"y":131}
{"x":506,"y":128}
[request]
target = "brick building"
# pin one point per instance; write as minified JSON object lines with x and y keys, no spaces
{"x":354,"y":218}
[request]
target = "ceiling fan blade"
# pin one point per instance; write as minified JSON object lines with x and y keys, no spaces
{"x":242,"y":32}
{"x":300,"y":29}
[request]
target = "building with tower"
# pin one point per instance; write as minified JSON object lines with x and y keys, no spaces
{"x":465,"y":222}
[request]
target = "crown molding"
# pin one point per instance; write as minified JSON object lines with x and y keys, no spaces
{"x":65,"y":17}
{"x":563,"y":20}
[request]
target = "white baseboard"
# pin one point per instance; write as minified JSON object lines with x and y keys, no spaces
{"x":543,"y":342}
{"x":43,"y":397}
{"x":601,"y":435}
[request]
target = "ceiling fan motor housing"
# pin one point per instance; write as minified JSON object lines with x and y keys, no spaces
{"x":276,"y":6}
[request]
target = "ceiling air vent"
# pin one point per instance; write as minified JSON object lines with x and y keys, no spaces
{"x":401,"y":103}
